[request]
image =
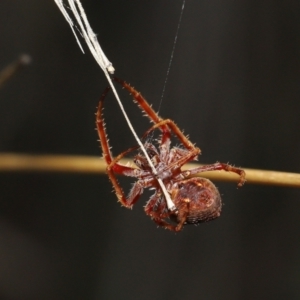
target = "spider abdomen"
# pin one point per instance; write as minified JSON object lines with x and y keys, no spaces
{"x":197,"y":200}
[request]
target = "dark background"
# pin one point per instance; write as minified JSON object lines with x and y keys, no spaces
{"x":233,"y":86}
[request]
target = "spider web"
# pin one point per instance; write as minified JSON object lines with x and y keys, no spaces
{"x":151,"y":135}
{"x":172,"y":55}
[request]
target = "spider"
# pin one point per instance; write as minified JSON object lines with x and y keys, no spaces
{"x":196,"y":199}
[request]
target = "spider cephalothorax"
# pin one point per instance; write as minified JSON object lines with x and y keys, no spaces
{"x":196,"y":199}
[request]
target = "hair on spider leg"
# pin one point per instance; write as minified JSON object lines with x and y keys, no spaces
{"x":193,"y":200}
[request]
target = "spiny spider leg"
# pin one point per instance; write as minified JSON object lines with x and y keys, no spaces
{"x":104,"y":141}
{"x":165,"y":224}
{"x":111,"y":162}
{"x":182,"y":138}
{"x":144,"y":105}
{"x":116,"y":167}
{"x":183,"y":217}
{"x":140,"y":99}
{"x":193,"y":151}
{"x":101,"y":129}
{"x":218,"y":166}
{"x":161,"y":124}
{"x":113,"y":166}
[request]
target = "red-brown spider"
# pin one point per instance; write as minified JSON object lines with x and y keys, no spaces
{"x":196,"y":199}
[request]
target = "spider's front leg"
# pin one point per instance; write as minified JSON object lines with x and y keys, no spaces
{"x":163,"y":125}
{"x":112,"y":164}
{"x":192,"y":152}
{"x":145,"y":107}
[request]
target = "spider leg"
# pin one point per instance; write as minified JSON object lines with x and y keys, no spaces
{"x":155,"y":202}
{"x":144,"y":106}
{"x":165,"y":224}
{"x":160,"y":213}
{"x":113,"y":166}
{"x":164,"y":126}
{"x":101,"y":129}
{"x":218,"y":166}
{"x":134,"y":194}
{"x":183,"y":139}
{"x":183,"y":156}
{"x":183,"y":218}
{"x":110,"y":161}
{"x":177,"y":153}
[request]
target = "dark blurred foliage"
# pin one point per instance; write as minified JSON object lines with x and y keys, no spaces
{"x":234,"y":87}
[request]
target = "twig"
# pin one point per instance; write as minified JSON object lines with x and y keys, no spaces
{"x":10,"y":162}
{"x":10,"y":70}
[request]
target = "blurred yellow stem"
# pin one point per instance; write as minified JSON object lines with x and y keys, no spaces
{"x":10,"y":162}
